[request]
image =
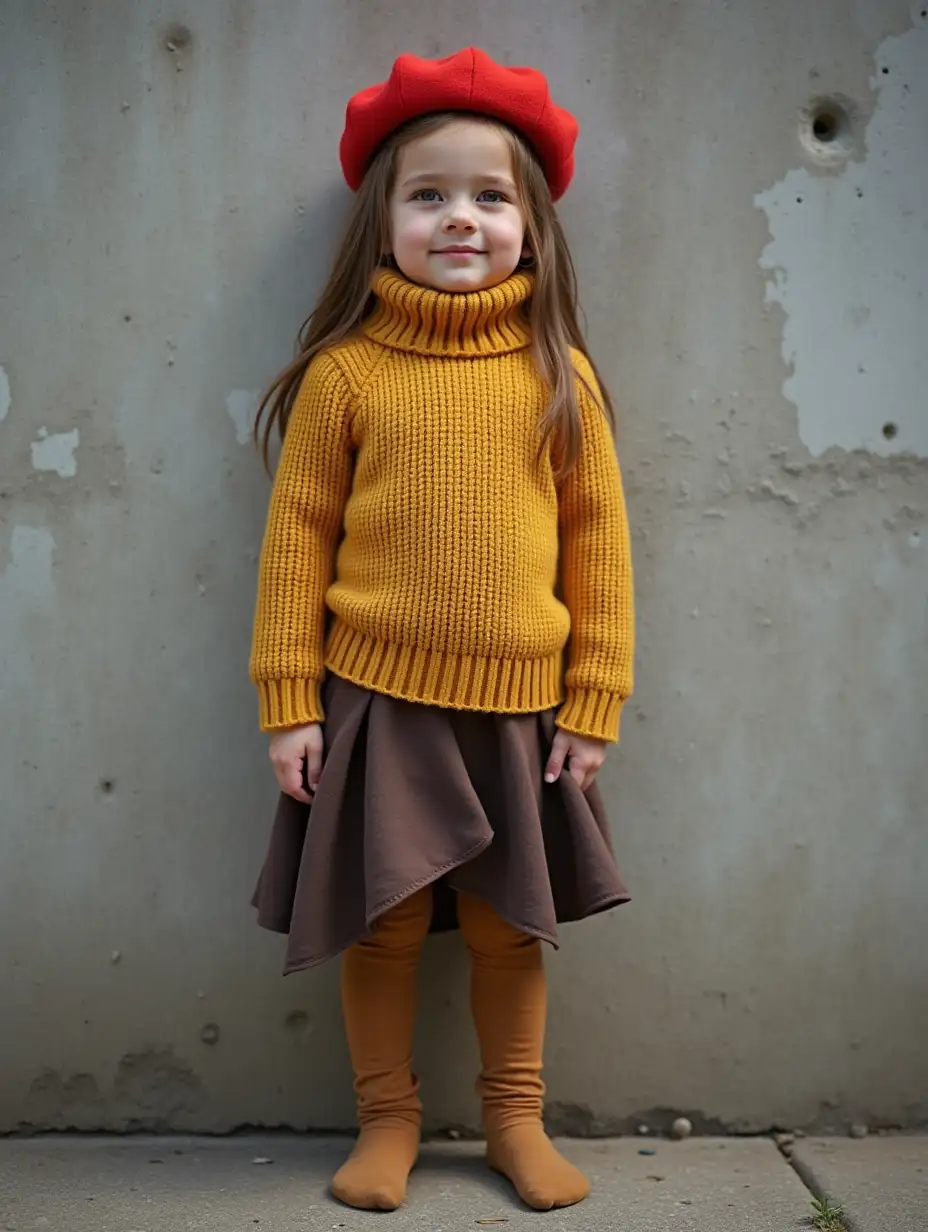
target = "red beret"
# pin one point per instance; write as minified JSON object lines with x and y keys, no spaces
{"x":467,"y":81}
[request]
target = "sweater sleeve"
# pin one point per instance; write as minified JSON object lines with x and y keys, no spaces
{"x":596,"y":574}
{"x":297,"y":557}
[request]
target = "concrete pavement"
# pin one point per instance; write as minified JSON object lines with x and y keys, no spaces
{"x":182,"y":1184}
{"x":882,"y":1183}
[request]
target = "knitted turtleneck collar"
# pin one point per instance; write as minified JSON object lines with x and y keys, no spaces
{"x":413,"y":318}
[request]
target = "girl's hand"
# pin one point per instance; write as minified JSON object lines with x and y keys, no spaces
{"x":288,"y":749}
{"x":585,"y":758}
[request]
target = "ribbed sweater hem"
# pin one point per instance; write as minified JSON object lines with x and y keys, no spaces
{"x":437,"y":678}
{"x":440,"y":678}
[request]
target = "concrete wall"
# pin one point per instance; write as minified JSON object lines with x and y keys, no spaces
{"x":757,"y":298}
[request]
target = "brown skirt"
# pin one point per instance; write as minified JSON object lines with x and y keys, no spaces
{"x":412,"y":795}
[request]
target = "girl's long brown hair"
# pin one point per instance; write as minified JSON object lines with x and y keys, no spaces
{"x":347,"y":299}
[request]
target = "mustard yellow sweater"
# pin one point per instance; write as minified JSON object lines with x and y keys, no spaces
{"x":410,"y":503}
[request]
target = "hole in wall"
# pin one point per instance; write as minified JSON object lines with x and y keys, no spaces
{"x":177,"y":38}
{"x":107,"y":786}
{"x":827,"y":129}
{"x":825,"y":126}
{"x":890,"y":431}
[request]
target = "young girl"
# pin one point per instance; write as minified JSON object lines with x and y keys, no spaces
{"x":447,"y":517}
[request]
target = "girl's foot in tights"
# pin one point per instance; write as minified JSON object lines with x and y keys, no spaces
{"x":509,"y":1000}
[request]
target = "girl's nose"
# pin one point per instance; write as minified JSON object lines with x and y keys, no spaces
{"x":458,"y":219}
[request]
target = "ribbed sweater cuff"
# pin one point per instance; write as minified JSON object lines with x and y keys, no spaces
{"x":288,"y":703}
{"x":592,"y":713}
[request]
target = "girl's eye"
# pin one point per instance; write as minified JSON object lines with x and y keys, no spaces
{"x":490,"y":196}
{"x":427,"y":194}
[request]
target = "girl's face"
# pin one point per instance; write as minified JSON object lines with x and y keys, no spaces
{"x":455,"y":220}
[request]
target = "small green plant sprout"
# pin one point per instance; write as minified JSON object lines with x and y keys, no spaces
{"x":826,"y":1216}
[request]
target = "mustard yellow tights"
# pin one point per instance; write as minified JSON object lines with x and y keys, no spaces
{"x":508,"y":999}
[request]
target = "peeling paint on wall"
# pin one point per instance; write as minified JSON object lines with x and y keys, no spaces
{"x":55,"y":452}
{"x":242,"y":405}
{"x":849,"y":258}
{"x":5,"y":395}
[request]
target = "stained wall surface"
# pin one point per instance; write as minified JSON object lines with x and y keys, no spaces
{"x":750,"y":224}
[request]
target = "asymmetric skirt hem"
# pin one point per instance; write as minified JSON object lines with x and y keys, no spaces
{"x":414,"y":795}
